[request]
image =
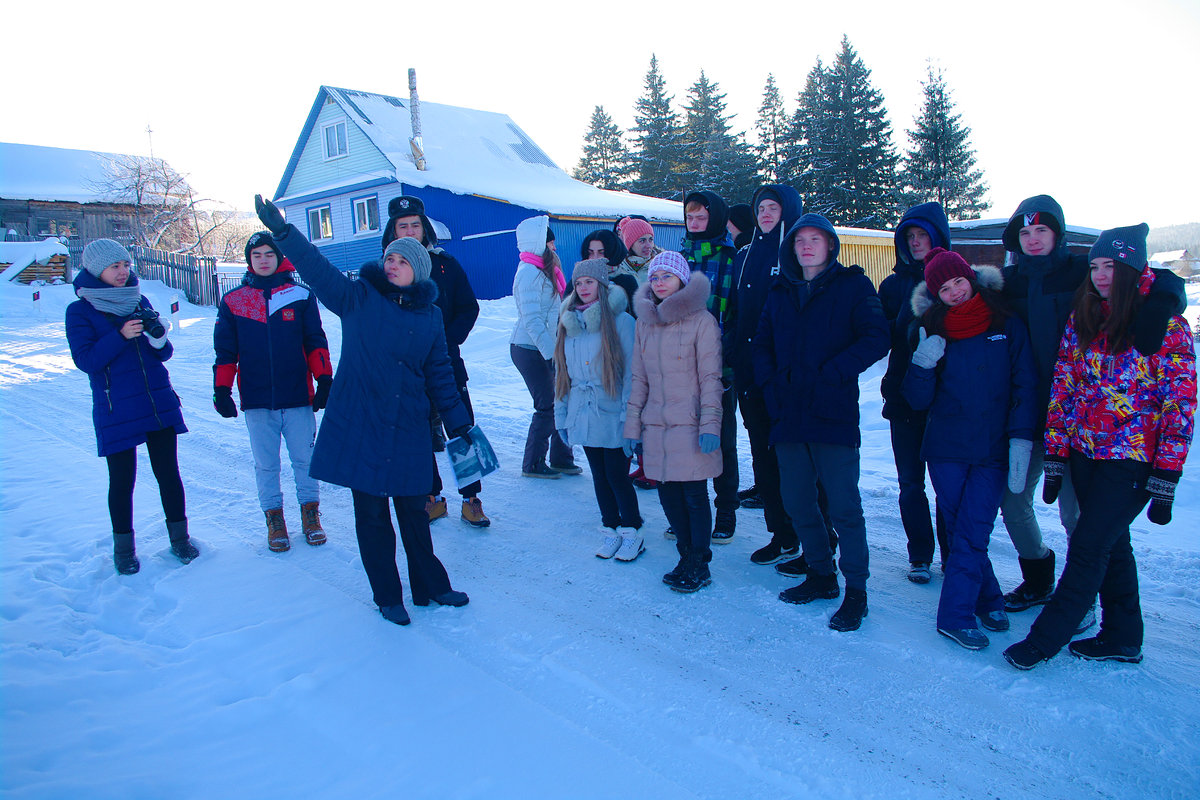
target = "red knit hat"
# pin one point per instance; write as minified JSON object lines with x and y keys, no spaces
{"x":941,"y":265}
{"x":634,"y":229}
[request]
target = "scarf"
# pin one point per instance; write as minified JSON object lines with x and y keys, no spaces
{"x":119,"y":300}
{"x":968,"y":319}
{"x":559,"y":280}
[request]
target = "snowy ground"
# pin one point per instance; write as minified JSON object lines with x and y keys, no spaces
{"x":250,"y":674}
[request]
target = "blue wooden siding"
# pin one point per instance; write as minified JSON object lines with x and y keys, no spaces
{"x":313,"y":171}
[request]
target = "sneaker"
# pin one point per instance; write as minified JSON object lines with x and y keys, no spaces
{"x":472,"y":513}
{"x":435,"y":507}
{"x":815,"y":587}
{"x":567,"y":469}
{"x":610,"y":545}
{"x":723,"y":528}
{"x":672,"y":577}
{"x":669,"y":533}
{"x":996,"y":621}
{"x":1024,"y":655}
{"x":970,"y":638}
{"x":310,"y":520}
{"x":450,"y":598}
{"x":918,"y":572}
{"x":540,"y":470}
{"x":1097,"y":649}
{"x":395,"y":614}
{"x":1025,"y":596}
{"x":854,"y":609}
{"x":749,"y":498}
{"x":277,"y":535}
{"x":1089,"y":619}
{"x":772,"y":552}
{"x":795,"y":568}
{"x":631,"y":545}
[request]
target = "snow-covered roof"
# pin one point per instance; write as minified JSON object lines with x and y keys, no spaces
{"x":1169,"y":256}
{"x":21,"y":254}
{"x":468,"y":151}
{"x":33,"y":172}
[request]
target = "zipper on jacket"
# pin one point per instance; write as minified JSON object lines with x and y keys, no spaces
{"x":146,"y":381}
{"x":108,"y":388}
{"x":270,"y":347}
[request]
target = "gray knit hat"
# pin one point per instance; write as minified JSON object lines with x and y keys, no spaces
{"x":591,"y":268}
{"x":415,"y":254}
{"x":1123,"y":245}
{"x":102,"y":254}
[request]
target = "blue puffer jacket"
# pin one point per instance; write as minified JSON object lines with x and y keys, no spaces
{"x":895,"y":293}
{"x":131,"y":390}
{"x":814,"y":339}
{"x":375,"y":433}
{"x":980,"y":394}
{"x":268,"y":334}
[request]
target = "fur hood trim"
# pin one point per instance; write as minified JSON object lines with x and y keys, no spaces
{"x":617,"y":302}
{"x":684,"y":303}
{"x":418,"y":295}
{"x":986,"y":276}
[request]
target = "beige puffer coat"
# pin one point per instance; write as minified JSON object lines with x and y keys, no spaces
{"x":676,"y":394}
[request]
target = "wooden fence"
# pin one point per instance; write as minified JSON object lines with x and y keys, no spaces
{"x":195,"y":276}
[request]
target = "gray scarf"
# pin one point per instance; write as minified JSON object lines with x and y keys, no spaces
{"x":119,"y":300}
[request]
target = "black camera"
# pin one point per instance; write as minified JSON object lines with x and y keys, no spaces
{"x":151,"y":325}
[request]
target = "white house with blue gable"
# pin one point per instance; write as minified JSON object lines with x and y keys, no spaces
{"x":482,"y":175}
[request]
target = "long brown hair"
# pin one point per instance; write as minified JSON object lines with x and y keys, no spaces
{"x":1124,"y":299}
{"x":612,"y":356}
{"x":549,"y":262}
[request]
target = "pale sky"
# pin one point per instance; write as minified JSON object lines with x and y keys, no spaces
{"x":1091,"y":102}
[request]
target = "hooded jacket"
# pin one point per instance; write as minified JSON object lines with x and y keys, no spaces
{"x":676,"y":383}
{"x":614,"y":250}
{"x":131,"y":390}
{"x":712,"y":252}
{"x":534,"y":293}
{"x":813,"y":341}
{"x":895,"y":294}
{"x":375,"y":433}
{"x":754,"y":270}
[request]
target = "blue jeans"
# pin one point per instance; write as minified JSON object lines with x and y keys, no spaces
{"x":686,"y":505}
{"x":297,"y":427}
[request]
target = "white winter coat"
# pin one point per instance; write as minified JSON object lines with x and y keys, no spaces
{"x":533,"y":292}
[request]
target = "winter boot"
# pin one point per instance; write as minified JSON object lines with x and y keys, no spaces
{"x":672,"y":577}
{"x":277,"y":535}
{"x":918,"y":572}
{"x":749,"y":498}
{"x":996,"y":621}
{"x":1025,"y":655}
{"x":568,"y":468}
{"x":850,"y":616}
{"x":723,"y":529}
{"x":1037,"y":583}
{"x":1098,"y":648}
{"x":396,"y":614}
{"x":472,"y":512}
{"x":435,"y":507}
{"x":310,"y":520}
{"x":815,"y":587}
{"x":181,"y":544}
{"x":695,"y":576}
{"x":970,"y":638}
{"x":448,"y":598}
{"x":794,"y":568}
{"x":610,"y":544}
{"x":124,"y":557}
{"x":631,"y":544}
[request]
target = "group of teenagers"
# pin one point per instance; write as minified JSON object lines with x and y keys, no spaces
{"x":1076,"y":368}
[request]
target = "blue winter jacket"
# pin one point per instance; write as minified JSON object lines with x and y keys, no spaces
{"x":814,"y":339}
{"x":131,"y":390}
{"x":375,"y":433}
{"x":268,"y":334}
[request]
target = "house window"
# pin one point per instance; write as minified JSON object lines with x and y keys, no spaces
{"x":335,"y":140}
{"x":320,"y":223}
{"x":366,"y":214}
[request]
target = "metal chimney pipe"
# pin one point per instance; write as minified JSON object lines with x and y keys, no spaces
{"x":414,"y":107}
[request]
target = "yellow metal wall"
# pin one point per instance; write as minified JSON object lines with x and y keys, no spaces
{"x":875,"y":254}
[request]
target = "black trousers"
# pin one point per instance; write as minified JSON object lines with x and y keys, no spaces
{"x":725,"y":485}
{"x":538,"y":374}
{"x":471,"y":489}
{"x":1099,"y":557}
{"x":377,"y":547}
{"x":686,"y":505}
{"x":766,"y":467}
{"x":907,"y":436}
{"x":614,"y":490}
{"x":162,"y":448}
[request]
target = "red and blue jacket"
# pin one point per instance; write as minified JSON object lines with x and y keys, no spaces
{"x":1124,"y":405}
{"x":269,"y":337}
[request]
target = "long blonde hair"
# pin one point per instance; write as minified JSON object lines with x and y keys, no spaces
{"x":612,"y":371}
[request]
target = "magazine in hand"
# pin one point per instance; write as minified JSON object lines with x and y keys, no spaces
{"x":471,"y":461}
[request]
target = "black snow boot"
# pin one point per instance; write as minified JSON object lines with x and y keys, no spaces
{"x":725,"y":525}
{"x":851,"y":614}
{"x":1037,"y":584}
{"x":181,"y":544}
{"x":672,"y":577}
{"x":124,"y":557}
{"x":695,"y":575}
{"x":815,"y":587}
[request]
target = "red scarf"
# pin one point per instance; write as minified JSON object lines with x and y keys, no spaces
{"x":968,"y":319}
{"x":560,"y":281}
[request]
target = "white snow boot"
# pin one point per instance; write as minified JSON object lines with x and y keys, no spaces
{"x":631,"y":544}
{"x":611,"y":544}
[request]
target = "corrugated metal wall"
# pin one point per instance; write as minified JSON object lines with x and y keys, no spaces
{"x":875,"y":254}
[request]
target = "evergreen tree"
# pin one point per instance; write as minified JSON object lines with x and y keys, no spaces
{"x":714,"y":157}
{"x":772,"y":129}
{"x":657,"y":154}
{"x":807,"y":163}
{"x":606,"y":161}
{"x":941,"y":163}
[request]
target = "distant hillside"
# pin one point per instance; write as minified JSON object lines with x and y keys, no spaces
{"x":1175,"y":237}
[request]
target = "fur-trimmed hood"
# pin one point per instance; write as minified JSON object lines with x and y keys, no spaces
{"x":986,"y":276}
{"x":617,"y":302}
{"x":418,"y":295}
{"x":691,"y":298}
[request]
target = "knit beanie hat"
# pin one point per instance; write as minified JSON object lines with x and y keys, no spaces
{"x":672,"y":262}
{"x":742,"y":216}
{"x":414,"y":253}
{"x":1123,"y":245}
{"x":102,"y":254}
{"x":591,"y":268}
{"x":942,"y":265}
{"x":634,"y":229}
{"x":260,"y":239}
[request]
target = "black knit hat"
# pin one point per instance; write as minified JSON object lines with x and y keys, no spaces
{"x":260,"y":239}
{"x":1123,"y":245}
{"x":407,"y":205}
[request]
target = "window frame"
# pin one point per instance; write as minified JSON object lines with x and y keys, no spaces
{"x":308,"y":214}
{"x":365,"y":199}
{"x":345,"y":140}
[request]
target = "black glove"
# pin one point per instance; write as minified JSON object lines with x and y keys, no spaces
{"x":223,"y":402}
{"x":1053,"y":469}
{"x":463,"y":433}
{"x":321,"y":396}
{"x":1161,"y":487}
{"x":270,"y":215}
{"x":1150,"y":325}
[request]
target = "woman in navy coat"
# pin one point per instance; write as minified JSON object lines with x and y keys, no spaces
{"x":113,"y":341}
{"x":374,"y":437}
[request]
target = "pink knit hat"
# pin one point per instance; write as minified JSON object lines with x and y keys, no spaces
{"x":672,"y":262}
{"x":634,"y":229}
